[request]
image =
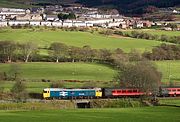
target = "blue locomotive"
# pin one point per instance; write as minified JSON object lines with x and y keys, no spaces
{"x":59,"y":93}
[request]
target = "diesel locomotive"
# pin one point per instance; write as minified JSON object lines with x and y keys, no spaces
{"x":60,"y":93}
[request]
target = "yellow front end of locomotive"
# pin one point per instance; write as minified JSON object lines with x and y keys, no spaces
{"x":98,"y":92}
{"x":46,"y":93}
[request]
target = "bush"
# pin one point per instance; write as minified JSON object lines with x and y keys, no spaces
{"x":116,"y":103}
{"x":19,"y":91}
{"x":59,"y":84}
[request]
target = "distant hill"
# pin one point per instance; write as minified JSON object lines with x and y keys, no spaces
{"x":124,"y":6}
{"x":131,"y":6}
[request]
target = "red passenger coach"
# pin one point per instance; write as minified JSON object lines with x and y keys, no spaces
{"x":127,"y":92}
{"x":173,"y":91}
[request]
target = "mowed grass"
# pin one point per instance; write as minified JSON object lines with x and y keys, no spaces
{"x":63,"y":71}
{"x":157,"y":32}
{"x":169,"y":69}
{"x":170,"y":101}
{"x":43,"y":38}
{"x":146,"y":114}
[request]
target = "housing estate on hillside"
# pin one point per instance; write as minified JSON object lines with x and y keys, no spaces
{"x":85,"y":17}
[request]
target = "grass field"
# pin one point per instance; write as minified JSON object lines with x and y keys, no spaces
{"x":84,"y":71}
{"x":157,"y":32}
{"x":78,"y":71}
{"x":148,"y":114}
{"x":37,"y":87}
{"x":169,"y":69}
{"x":170,"y":101}
{"x":43,"y":38}
{"x":63,"y":71}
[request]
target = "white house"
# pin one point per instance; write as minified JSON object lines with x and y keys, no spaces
{"x":35,"y":23}
{"x":138,"y":24}
{"x":100,"y":21}
{"x":79,"y":24}
{"x":3,"y":23}
{"x":46,"y":23}
{"x":89,"y":25}
{"x":113,"y":24}
{"x":67,"y":24}
{"x":57,"y":24}
{"x":15,"y":23}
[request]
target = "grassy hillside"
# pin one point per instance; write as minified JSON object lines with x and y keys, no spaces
{"x":148,"y":114}
{"x":63,"y":71}
{"x":169,"y":69}
{"x":44,"y":38}
{"x":78,"y":71}
{"x":85,"y":71}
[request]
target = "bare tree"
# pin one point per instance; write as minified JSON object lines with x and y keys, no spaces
{"x":7,"y":50}
{"x":19,"y":91}
{"x":142,"y":75}
{"x":59,"y":50}
{"x":27,"y":50}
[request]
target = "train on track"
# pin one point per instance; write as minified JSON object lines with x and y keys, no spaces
{"x":60,"y":93}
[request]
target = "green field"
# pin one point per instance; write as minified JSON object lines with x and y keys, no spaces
{"x":63,"y":71}
{"x":37,"y":87}
{"x":157,"y":32}
{"x":169,"y":69}
{"x":84,"y":71}
{"x":170,"y":101}
{"x":147,"y":114}
{"x":43,"y":38}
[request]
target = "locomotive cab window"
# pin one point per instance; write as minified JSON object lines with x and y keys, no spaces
{"x":45,"y":92}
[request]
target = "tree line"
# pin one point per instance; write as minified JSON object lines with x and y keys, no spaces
{"x":148,"y":36}
{"x":11,"y":51}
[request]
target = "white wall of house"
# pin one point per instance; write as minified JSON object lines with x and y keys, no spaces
{"x":67,"y":24}
{"x":100,"y":21}
{"x":3,"y":24}
{"x":57,"y":24}
{"x":35,"y":23}
{"x":113,"y":24}
{"x":15,"y":23}
{"x":139,"y":25}
{"x":79,"y":24}
{"x":89,"y":25}
{"x":12,"y":13}
{"x":46,"y":23}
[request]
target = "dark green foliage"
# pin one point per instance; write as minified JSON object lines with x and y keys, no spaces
{"x":163,"y":38}
{"x":59,"y":50}
{"x":142,"y":75}
{"x":7,"y":50}
{"x":19,"y":91}
{"x":119,"y":103}
{"x":164,"y":52}
{"x":62,"y":16}
{"x":106,"y":32}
